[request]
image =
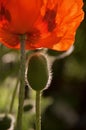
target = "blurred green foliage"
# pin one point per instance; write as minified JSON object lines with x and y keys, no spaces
{"x":64,"y":102}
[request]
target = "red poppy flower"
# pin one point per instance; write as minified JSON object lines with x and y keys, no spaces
{"x":46,"y":23}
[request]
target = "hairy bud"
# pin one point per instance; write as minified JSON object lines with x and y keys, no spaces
{"x":38,"y":72}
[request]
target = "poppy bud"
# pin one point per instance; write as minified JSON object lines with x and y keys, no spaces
{"x":38,"y":72}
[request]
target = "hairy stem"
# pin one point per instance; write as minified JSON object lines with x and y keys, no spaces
{"x":38,"y":110}
{"x":22,"y":84}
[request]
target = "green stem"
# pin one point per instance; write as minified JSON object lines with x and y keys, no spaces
{"x":38,"y":110}
{"x":22,"y":84}
{"x":13,"y":97}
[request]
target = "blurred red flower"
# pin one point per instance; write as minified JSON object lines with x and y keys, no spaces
{"x":46,"y":23}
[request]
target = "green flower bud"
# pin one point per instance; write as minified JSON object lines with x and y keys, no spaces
{"x":38,"y":72}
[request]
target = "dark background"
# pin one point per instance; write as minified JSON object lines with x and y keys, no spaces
{"x":64,"y":102}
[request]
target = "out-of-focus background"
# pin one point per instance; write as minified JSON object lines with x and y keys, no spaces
{"x":64,"y":102}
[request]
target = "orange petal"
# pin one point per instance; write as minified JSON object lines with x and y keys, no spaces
{"x":55,"y":23}
{"x":23,"y":14}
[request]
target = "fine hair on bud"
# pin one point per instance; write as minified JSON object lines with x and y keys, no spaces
{"x":38,"y":71}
